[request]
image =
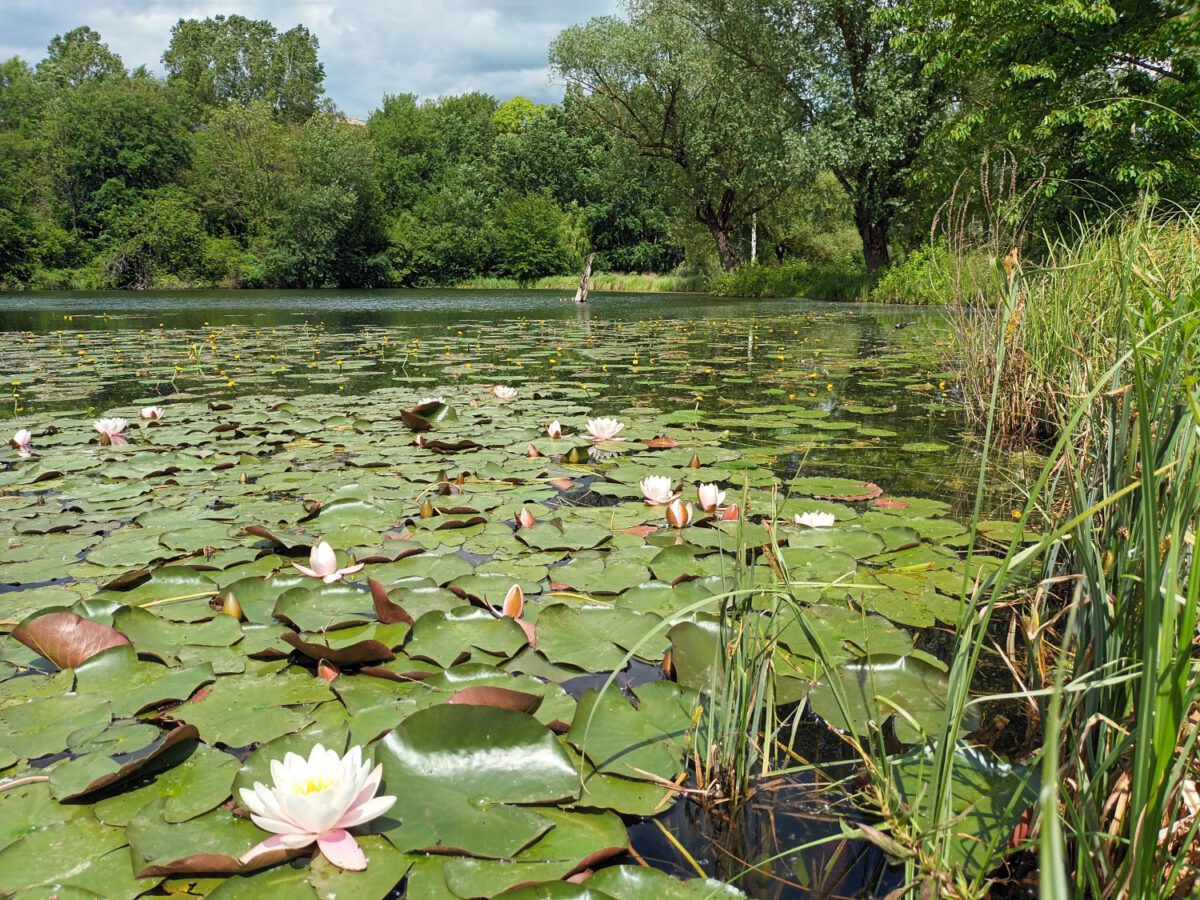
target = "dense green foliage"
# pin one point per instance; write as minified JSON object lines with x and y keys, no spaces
{"x":813,"y":142}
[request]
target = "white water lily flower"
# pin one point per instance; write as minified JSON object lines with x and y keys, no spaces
{"x":504,"y":392}
{"x":21,"y":442}
{"x":656,"y":489}
{"x":710,"y":497}
{"x":554,"y":430}
{"x":322,"y":563}
{"x":151,"y":413}
{"x":604,"y":429}
{"x":815,"y":519}
{"x":112,"y":431}
{"x":316,"y":800}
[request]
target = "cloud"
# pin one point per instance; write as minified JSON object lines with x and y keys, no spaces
{"x":424,"y":47}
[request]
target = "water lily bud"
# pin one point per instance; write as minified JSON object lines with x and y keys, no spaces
{"x":420,"y":440}
{"x":427,"y":510}
{"x":327,"y":670}
{"x":731,"y":513}
{"x":514,"y":602}
{"x":554,"y":430}
{"x":694,"y":462}
{"x":525,"y":518}
{"x":532,"y":452}
{"x":461,"y":479}
{"x":231,"y":607}
{"x":442,"y":477}
{"x":575,"y":457}
{"x":680,"y":514}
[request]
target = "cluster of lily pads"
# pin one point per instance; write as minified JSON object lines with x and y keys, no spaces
{"x":433,"y":581}
{"x":839,"y":388}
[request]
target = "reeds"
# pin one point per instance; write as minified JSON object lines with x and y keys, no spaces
{"x":615,"y":282}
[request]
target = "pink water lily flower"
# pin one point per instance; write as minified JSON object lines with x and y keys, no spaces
{"x":710,"y":497}
{"x":656,"y":489}
{"x":21,"y":442}
{"x":151,"y":413}
{"x":316,"y":800}
{"x":604,"y":429}
{"x":112,"y":431}
{"x":504,"y":392}
{"x":322,"y":563}
{"x":554,"y":430}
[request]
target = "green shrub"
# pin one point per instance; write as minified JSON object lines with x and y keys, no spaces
{"x":931,"y":275}
{"x":797,"y":278}
{"x":534,"y":239}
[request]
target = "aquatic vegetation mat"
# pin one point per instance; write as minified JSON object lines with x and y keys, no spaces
{"x":430,"y":579}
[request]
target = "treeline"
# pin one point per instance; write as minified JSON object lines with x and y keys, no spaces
{"x":235,"y":170}
{"x":826,"y":138}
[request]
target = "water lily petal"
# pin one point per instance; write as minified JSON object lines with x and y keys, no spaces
{"x":341,"y":849}
{"x":365,"y":812}
{"x":274,"y":843}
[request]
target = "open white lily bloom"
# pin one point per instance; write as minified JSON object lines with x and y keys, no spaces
{"x":151,"y":413}
{"x":112,"y":431}
{"x":322,"y":563}
{"x":504,"y":392}
{"x":316,"y":800}
{"x":656,"y":489}
{"x":604,"y":429}
{"x":815,"y":519}
{"x":710,"y":497}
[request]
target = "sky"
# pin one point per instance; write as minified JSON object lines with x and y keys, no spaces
{"x":369,"y":47}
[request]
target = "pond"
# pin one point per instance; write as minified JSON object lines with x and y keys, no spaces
{"x":487,"y":575}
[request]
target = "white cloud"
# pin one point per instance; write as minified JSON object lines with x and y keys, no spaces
{"x":424,"y":47}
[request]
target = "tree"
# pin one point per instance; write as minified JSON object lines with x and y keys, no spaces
{"x":515,"y":115}
{"x":244,"y":164}
{"x":108,"y":142}
{"x":332,"y":229}
{"x":232,"y":59}
{"x":1102,"y":93}
{"x":718,"y":139}
{"x":77,"y":57}
{"x":534,"y":239}
{"x":848,"y":82}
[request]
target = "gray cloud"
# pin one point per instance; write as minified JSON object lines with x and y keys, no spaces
{"x":369,"y":49}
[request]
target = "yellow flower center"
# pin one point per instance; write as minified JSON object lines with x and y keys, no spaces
{"x":314,"y":785}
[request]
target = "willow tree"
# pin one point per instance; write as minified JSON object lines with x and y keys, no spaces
{"x":842,"y":71}
{"x":719,"y":140}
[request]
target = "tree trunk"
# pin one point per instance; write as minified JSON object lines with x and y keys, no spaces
{"x":585,"y":279}
{"x":727,"y":251}
{"x":874,"y":234}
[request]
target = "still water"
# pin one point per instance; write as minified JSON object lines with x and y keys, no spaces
{"x":858,"y":390}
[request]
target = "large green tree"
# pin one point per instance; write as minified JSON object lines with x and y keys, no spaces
{"x":78,"y":56}
{"x":848,"y":81}
{"x":720,"y":140}
{"x":232,"y":59}
{"x":107,"y":142}
{"x":1101,"y":93}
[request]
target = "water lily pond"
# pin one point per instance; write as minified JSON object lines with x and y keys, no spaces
{"x":163,"y":646}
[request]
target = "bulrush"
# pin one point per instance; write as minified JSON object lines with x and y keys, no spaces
{"x":815,"y":519}
{"x":315,"y":800}
{"x":112,"y":431}
{"x":604,"y":429}
{"x":680,"y":514}
{"x":656,"y":489}
{"x":710,"y":497}
{"x":554,"y":430}
{"x":514,"y":602}
{"x":21,"y":442}
{"x":151,"y":413}
{"x":525,"y":518}
{"x":322,"y":563}
{"x":504,"y":392}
